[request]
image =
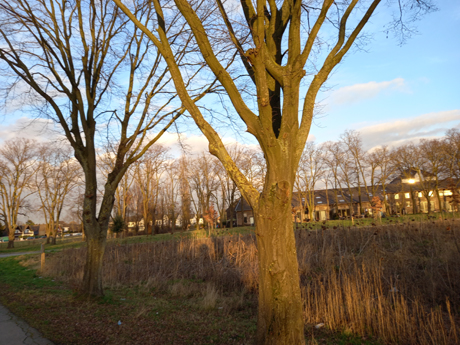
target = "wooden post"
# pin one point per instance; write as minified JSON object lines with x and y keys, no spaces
{"x":42,"y":256}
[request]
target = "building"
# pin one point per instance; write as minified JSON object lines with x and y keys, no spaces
{"x":411,"y":192}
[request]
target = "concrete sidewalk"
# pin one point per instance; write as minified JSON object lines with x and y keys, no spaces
{"x":15,"y":331}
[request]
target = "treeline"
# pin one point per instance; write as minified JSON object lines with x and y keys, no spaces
{"x":165,"y":191}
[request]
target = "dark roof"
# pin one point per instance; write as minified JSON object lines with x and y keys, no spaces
{"x":242,"y":205}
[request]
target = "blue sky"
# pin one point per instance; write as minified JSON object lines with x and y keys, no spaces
{"x":390,"y":93}
{"x":416,"y":85}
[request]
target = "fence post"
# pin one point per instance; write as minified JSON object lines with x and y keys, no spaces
{"x":42,"y":257}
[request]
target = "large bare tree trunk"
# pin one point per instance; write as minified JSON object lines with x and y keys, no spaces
{"x":280,"y":319}
{"x":92,"y":278}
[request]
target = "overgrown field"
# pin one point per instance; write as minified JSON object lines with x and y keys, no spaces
{"x":398,"y":283}
{"x":394,"y":284}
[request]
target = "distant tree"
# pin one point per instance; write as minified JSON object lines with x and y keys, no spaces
{"x":30,"y":222}
{"x":455,"y":198}
{"x":147,"y":172}
{"x":376,"y":205}
{"x":210,"y":216}
{"x":118,"y":225}
{"x":18,"y":166}
{"x":58,"y":174}
{"x":353,"y":142}
{"x":309,"y":172}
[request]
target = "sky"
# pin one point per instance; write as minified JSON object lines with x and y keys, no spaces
{"x":393,"y":93}
{"x":389,"y":93}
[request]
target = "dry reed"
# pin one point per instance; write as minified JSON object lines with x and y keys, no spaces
{"x":400,"y":283}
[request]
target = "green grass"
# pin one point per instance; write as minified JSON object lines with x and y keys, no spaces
{"x":366,"y":222}
{"x":35,"y":245}
{"x":18,"y":277}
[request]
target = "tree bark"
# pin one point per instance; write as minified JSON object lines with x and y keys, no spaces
{"x":280,"y":318}
{"x":92,"y":278}
{"x":11,"y":230}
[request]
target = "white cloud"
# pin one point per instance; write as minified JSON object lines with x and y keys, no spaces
{"x":193,"y":144}
{"x":398,"y":132}
{"x":359,"y":92}
{"x":38,"y":129}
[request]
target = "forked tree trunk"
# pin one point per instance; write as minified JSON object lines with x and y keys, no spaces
{"x":280,"y":318}
{"x":92,"y":278}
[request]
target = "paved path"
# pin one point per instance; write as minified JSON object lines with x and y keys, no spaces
{"x":5,"y":255}
{"x":15,"y":331}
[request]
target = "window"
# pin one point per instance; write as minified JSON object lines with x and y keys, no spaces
{"x":408,"y":204}
{"x":447,"y":192}
{"x":319,"y":202}
{"x":318,"y":197}
{"x":407,"y":195}
{"x":419,"y":194}
{"x":430,"y":193}
{"x":396,"y":196}
{"x":342,"y":200}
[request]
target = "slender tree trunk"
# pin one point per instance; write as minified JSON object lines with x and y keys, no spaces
{"x":280,"y":319}
{"x":11,"y":237}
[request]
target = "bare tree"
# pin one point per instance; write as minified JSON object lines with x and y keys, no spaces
{"x":433,"y":154}
{"x":274,"y":47}
{"x":353,"y":142}
{"x":171,"y":188}
{"x":382,"y":168}
{"x":185,"y":193}
{"x":147,"y":173}
{"x":452,"y":162}
{"x":407,"y":163}
{"x":17,"y":167}
{"x":309,"y":172}
{"x":67,"y":59}
{"x":203,"y":184}
{"x":57,"y":176}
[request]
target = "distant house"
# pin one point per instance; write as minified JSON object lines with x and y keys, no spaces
{"x":23,"y":231}
{"x":405,"y":194}
{"x":244,"y":213}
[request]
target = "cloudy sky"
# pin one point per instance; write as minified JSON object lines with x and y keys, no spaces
{"x":390,"y":93}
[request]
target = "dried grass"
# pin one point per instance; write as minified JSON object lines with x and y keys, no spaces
{"x":400,"y":283}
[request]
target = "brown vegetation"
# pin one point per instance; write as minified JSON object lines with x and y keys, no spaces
{"x":399,"y":283}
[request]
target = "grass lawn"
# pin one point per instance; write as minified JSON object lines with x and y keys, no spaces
{"x":180,"y":312}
